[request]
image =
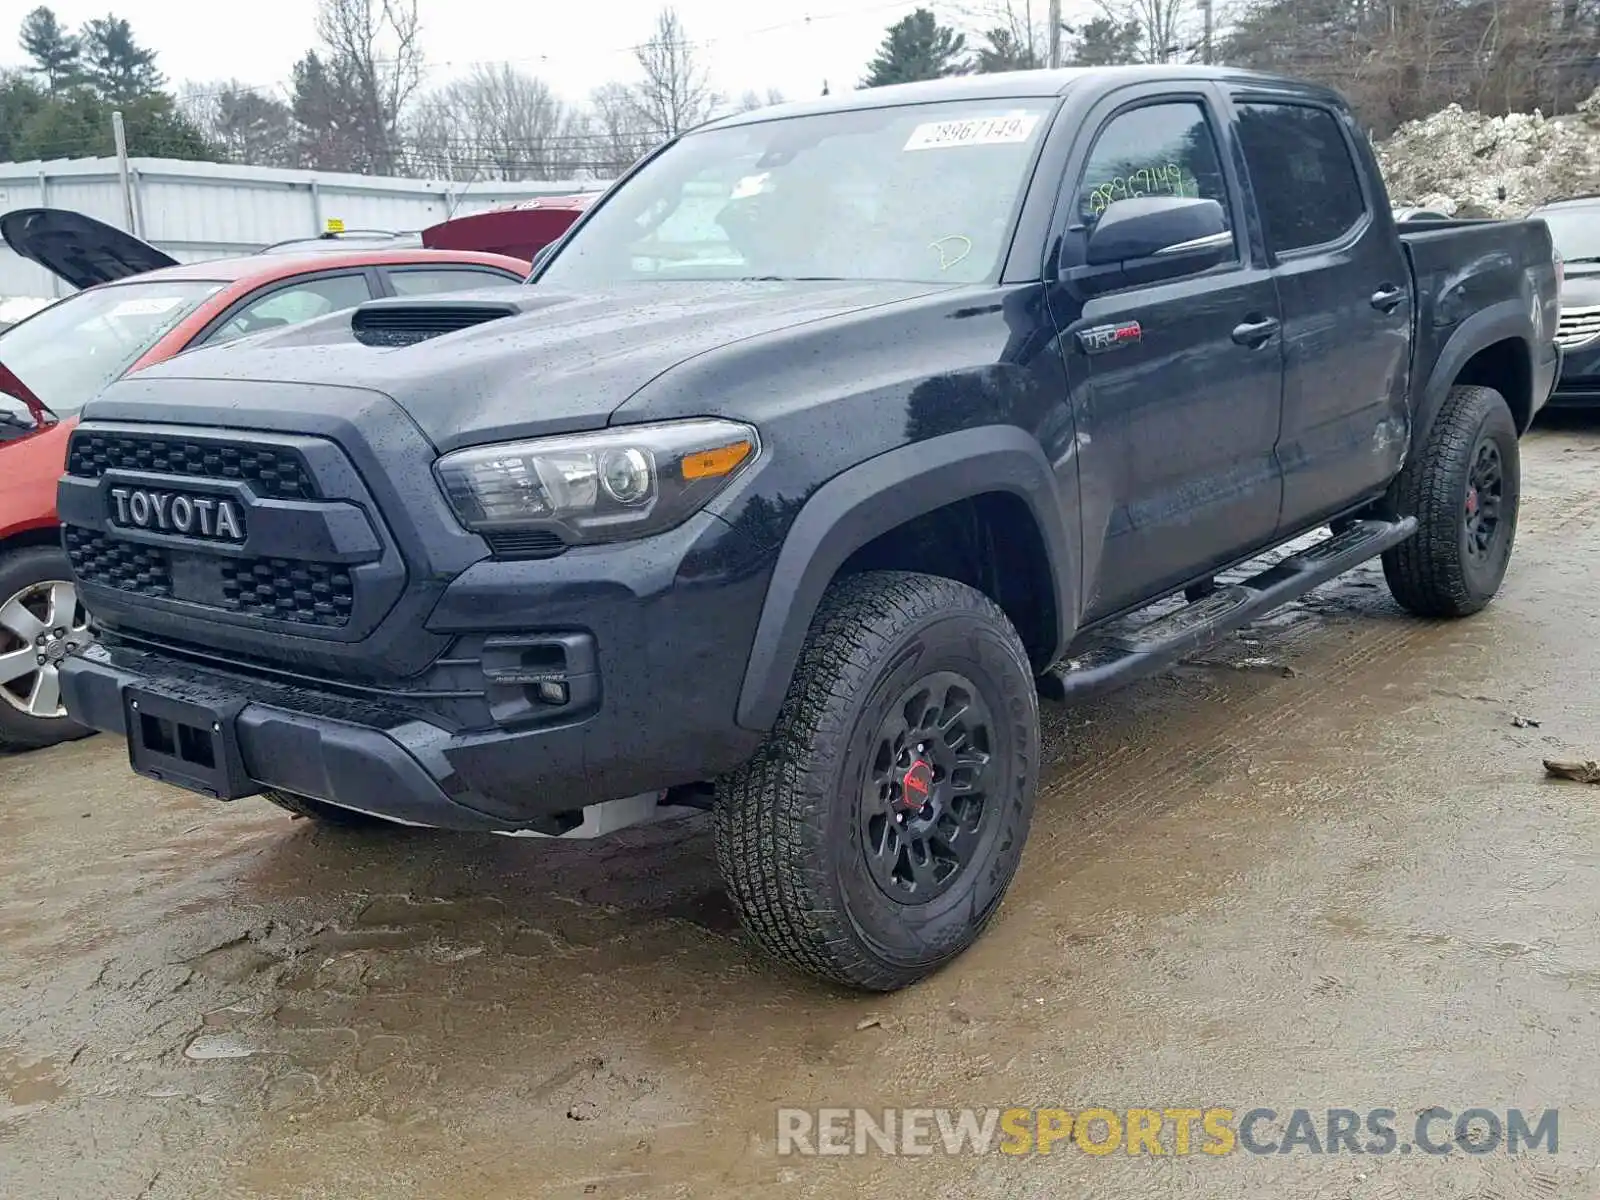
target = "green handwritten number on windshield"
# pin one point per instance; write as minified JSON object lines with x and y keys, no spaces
{"x":1165,"y":180}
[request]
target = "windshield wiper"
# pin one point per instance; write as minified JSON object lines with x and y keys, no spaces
{"x":1592,"y":258}
{"x":789,"y":279}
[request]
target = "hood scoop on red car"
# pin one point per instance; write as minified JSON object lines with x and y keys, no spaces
{"x":405,"y":323}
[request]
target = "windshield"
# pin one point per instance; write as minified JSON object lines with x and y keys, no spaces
{"x":68,"y":352}
{"x":922,"y":193}
{"x":1575,"y":231}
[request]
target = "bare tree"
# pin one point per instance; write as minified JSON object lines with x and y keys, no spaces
{"x":374,"y":48}
{"x":618,"y":133}
{"x":247,"y":124}
{"x":1161,"y":25}
{"x":496,"y":123}
{"x":675,"y":93}
{"x":1402,"y":59}
{"x":1011,"y":34}
{"x":752,"y":100}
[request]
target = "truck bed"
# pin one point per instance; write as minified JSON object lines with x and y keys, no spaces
{"x":1474,"y":269}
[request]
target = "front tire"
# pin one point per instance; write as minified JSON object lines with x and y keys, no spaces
{"x":1464,"y":486}
{"x":42,"y":622}
{"x":873,"y":835}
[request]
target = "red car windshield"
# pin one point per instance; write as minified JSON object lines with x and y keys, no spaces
{"x":68,"y":352}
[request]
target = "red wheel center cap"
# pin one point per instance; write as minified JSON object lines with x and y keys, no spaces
{"x":916,"y":785}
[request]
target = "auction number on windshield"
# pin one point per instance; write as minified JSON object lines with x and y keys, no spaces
{"x":976,"y":131}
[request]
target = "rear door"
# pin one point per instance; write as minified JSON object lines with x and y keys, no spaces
{"x":1345,"y":289}
{"x":1176,"y":386}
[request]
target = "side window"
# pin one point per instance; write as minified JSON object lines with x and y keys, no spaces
{"x":427,"y":281}
{"x":1157,"y":150}
{"x":1304,"y":179}
{"x":292,"y":304}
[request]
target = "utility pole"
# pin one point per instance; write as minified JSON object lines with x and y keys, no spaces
{"x":1205,"y":44}
{"x":119,"y":135}
{"x":1055,"y":34}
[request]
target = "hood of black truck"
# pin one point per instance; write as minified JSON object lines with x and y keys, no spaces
{"x":506,"y":362}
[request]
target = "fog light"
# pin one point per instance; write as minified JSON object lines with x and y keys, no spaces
{"x":552,"y":692}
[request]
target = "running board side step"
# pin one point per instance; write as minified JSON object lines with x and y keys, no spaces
{"x":1116,"y":658}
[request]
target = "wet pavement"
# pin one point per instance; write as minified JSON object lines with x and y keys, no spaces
{"x":1319,"y":868}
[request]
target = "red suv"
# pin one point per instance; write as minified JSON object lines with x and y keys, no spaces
{"x":138,"y":307}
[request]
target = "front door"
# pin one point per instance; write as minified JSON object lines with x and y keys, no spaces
{"x":1344,"y":285}
{"x":1176,"y":386}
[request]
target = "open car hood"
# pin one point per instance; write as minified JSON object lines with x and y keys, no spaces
{"x":79,"y":249}
{"x":521,"y":230}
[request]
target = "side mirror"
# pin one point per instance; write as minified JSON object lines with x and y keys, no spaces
{"x":1159,"y":236}
{"x":542,"y":253}
{"x":16,"y":419}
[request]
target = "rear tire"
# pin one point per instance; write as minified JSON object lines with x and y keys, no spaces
{"x":35,"y":590}
{"x":1464,"y":486}
{"x":874,"y":834}
{"x":323,"y":812}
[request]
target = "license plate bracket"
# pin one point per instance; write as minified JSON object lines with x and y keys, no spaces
{"x":189,"y":741}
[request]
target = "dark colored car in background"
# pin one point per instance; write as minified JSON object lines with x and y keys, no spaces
{"x":138,"y":306}
{"x":1575,"y":229}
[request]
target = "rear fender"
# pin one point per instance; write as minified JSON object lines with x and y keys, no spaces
{"x":1507,"y":320}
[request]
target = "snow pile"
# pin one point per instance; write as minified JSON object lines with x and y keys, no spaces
{"x":1468,"y":165}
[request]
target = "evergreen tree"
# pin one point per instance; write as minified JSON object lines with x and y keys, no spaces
{"x":20,"y":102}
{"x":52,"y":49}
{"x":1103,"y":42}
{"x":115,"y":65}
{"x":1005,"y":51}
{"x":917,"y":47}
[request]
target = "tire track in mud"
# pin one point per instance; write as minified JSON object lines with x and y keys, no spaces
{"x":1242,"y":723}
{"x":1084,"y":803}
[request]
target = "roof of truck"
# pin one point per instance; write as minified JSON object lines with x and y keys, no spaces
{"x":1007,"y":85}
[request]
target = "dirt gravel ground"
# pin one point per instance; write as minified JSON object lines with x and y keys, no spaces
{"x":1345,"y":886}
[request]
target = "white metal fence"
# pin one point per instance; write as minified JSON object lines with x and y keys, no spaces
{"x":196,"y":211}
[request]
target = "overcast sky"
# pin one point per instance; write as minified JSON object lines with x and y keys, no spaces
{"x":791,"y":45}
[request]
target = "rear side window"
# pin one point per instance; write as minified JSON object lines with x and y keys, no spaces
{"x":293,"y":304}
{"x":1306,"y":183}
{"x":428,"y":281}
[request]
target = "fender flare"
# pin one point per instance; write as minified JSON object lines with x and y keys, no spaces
{"x":869,"y":500}
{"x":1500,"y":322}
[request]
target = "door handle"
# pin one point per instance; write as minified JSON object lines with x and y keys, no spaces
{"x":1387,"y":299}
{"x":1255,"y":334}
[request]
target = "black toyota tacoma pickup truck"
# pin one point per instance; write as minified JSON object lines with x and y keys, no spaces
{"x":826,"y":442}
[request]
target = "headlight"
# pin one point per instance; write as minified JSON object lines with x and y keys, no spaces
{"x":597,"y":487}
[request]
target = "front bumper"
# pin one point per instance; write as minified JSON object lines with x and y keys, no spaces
{"x":370,"y":760}
{"x":650,"y":642}
{"x":1578,"y":383}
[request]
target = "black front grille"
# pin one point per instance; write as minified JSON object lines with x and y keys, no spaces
{"x":274,"y":589}
{"x":126,"y":566}
{"x":272,"y":471}
{"x":284,"y":589}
